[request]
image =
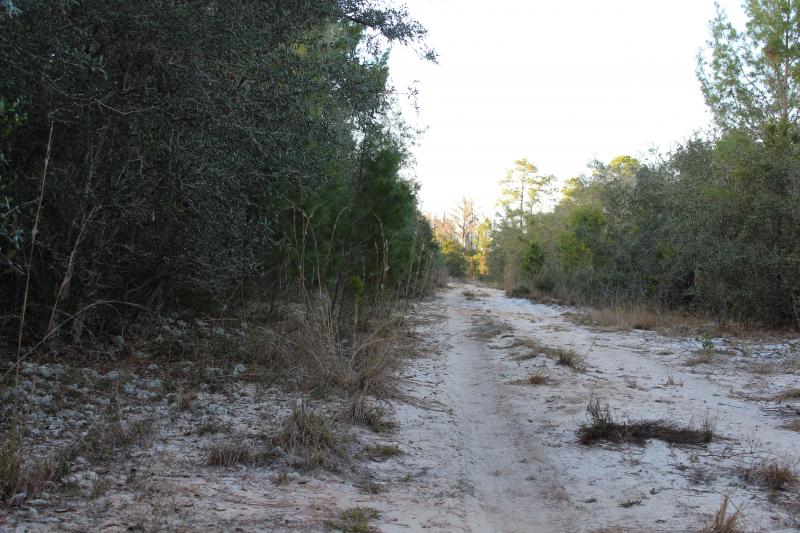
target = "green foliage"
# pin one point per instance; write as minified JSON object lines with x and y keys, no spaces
{"x":750,"y":78}
{"x":706,"y":228}
{"x":522,"y":188}
{"x":532,"y":258}
{"x":202,"y":149}
{"x":11,"y":233}
{"x":581,"y":240}
{"x":454,"y":258}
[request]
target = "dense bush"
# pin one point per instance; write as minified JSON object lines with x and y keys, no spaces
{"x":711,"y":227}
{"x":707,"y":228}
{"x":192,"y":144}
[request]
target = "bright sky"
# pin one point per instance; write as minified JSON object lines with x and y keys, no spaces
{"x":561,"y":83}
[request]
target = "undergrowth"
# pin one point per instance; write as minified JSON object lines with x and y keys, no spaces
{"x":310,"y":436}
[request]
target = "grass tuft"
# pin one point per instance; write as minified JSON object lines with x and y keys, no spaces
{"x":359,"y":411}
{"x":789,"y":394}
{"x":722,"y":521}
{"x":308,"y":435}
{"x":627,"y":504}
{"x":11,"y":475}
{"x":486,"y":328}
{"x":603,"y":427}
{"x":354,"y":520}
{"x":383,"y":451}
{"x":538,"y":377}
{"x":774,"y":475}
{"x":227,"y":455}
{"x":570,"y":358}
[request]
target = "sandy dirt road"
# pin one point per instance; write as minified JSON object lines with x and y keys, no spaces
{"x":500,"y":456}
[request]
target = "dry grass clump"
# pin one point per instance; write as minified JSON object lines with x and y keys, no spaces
{"x":231,"y":454}
{"x":11,"y":474}
{"x":565,"y":357}
{"x":486,"y":328}
{"x":535,"y":348}
{"x":184,"y":398}
{"x":569,"y":358}
{"x":722,"y":521}
{"x":109,"y":438}
{"x":383,"y":451}
{"x":359,"y":411}
{"x":603,"y":427}
{"x":354,"y":520}
{"x":538,"y":377}
{"x":28,"y":475}
{"x":527,"y":342}
{"x":774,"y":475}
{"x":704,"y":356}
{"x":627,"y":504}
{"x":794,"y":425}
{"x":788,"y":394}
{"x":310,"y":436}
{"x":638,"y":316}
{"x":469,"y":294}
{"x":361,"y":363}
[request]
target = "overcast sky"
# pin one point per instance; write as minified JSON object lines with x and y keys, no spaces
{"x":561,"y":83}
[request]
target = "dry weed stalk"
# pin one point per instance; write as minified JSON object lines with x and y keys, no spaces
{"x":722,"y":521}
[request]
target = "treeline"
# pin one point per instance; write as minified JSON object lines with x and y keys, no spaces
{"x":712,"y":227}
{"x":463,"y":241}
{"x":187,"y":154}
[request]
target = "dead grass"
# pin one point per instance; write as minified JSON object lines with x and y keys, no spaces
{"x":535,"y":348}
{"x":184,"y":398}
{"x":564,"y":357}
{"x":638,"y":316}
{"x":627,"y":504}
{"x":569,"y":358}
{"x":704,"y":356}
{"x":538,"y":377}
{"x":209,"y":427}
{"x":722,"y":521}
{"x":603,"y":427}
{"x":670,"y":381}
{"x":775,"y":475}
{"x":231,"y":454}
{"x":11,"y":474}
{"x":360,"y":411}
{"x":763,"y":368}
{"x":23,"y":474}
{"x":486,"y":328}
{"x":363,"y":363}
{"x":354,"y":520}
{"x":106,"y":439}
{"x":794,"y":425}
{"x":788,"y":394}
{"x":383,"y":451}
{"x":310,"y":436}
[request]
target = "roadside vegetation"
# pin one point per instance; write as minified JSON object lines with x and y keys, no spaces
{"x":706,"y":231}
{"x":198,"y":199}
